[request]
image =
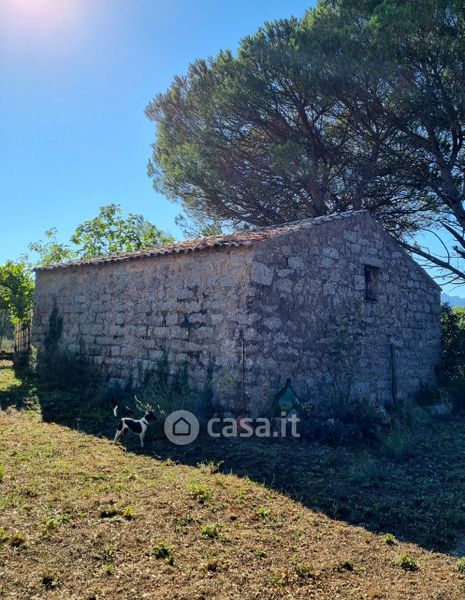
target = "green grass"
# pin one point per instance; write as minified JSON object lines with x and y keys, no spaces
{"x":263,"y":512}
{"x":460,"y":566}
{"x":56,"y":519}
{"x":411,"y":484}
{"x":77,"y":512}
{"x":417,"y":495}
{"x":212,"y":531}
{"x":407,"y":562}
{"x":303,"y":569}
{"x":161,"y":551}
{"x":199,"y":492}
{"x":390,"y":539}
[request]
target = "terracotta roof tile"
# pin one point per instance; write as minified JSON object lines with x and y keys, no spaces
{"x":233,"y":240}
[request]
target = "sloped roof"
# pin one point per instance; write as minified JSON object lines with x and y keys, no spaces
{"x":233,"y":240}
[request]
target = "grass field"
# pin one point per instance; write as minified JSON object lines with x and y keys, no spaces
{"x":83,"y":518}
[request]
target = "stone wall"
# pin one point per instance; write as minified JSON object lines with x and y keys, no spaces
{"x":126,"y":315}
{"x":292,"y":306}
{"x":312,"y":321}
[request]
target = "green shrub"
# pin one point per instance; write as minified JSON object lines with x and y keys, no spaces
{"x":199,"y":492}
{"x":186,"y":520}
{"x":452,"y":365}
{"x":7,"y":332}
{"x":460,"y":565}
{"x":263,"y":512}
{"x":455,"y":389}
{"x":164,"y":552}
{"x":57,"y":519}
{"x":128,"y":513}
{"x":407,"y":562}
{"x":407,"y":415}
{"x":303,"y":569}
{"x":400,"y":445}
{"x":212,"y":531}
{"x":108,"y":553}
{"x":389,"y":539}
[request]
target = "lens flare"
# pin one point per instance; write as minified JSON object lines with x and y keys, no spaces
{"x":40,"y":15}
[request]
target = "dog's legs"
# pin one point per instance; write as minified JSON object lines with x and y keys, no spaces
{"x":119,"y":432}
{"x":141,"y":437}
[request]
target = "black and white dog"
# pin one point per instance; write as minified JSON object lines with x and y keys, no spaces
{"x":139,"y":427}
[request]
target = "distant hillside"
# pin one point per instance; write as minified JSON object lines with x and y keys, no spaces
{"x":453,"y":300}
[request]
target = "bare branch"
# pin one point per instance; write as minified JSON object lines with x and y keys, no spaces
{"x":433,"y":259}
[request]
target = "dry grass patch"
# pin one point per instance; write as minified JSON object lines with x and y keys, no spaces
{"x":81,"y":518}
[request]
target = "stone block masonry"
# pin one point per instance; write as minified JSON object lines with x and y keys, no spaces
{"x":324,"y":301}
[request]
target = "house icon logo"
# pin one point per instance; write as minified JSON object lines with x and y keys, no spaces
{"x":181,"y":427}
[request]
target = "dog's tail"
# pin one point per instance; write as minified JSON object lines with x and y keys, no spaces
{"x":126,"y":410}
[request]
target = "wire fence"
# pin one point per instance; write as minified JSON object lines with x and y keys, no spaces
{"x":22,"y":343}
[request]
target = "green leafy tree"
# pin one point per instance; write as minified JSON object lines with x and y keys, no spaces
{"x":360,"y":104}
{"x":399,"y":65}
{"x":50,"y":250}
{"x":108,"y":233}
{"x":16,"y":291}
{"x":6,"y":326}
{"x":452,"y":366}
{"x":111,"y":233}
{"x":261,"y":138}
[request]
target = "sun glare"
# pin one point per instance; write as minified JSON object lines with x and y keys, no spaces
{"x":41,"y":15}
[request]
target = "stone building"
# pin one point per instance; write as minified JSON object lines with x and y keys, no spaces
{"x":334,"y":303}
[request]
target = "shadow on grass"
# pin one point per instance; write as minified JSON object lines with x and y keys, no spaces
{"x":15,"y":390}
{"x":411,"y":485}
{"x":6,"y":359}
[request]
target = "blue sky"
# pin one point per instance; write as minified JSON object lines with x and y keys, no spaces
{"x":75,"y":77}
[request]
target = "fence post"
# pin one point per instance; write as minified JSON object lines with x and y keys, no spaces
{"x":22,"y":344}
